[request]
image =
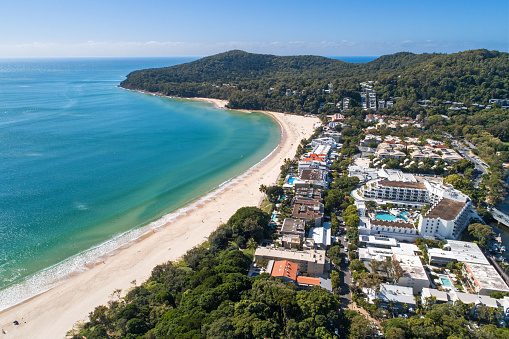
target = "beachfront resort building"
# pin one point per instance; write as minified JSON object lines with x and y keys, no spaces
{"x":309,"y":261}
{"x":308,"y":210}
{"x":397,"y":229}
{"x":288,"y":271}
{"x":448,"y":215}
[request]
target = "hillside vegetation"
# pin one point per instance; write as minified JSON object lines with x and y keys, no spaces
{"x":257,"y":81}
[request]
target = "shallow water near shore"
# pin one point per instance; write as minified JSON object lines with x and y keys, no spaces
{"x":83,"y":162}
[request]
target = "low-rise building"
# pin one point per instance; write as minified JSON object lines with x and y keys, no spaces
{"x":465,"y":251}
{"x":310,"y":261}
{"x":314,"y":178}
{"x":399,"y":230}
{"x":414,"y":275}
{"x":375,"y":241}
{"x":401,"y":298}
{"x":309,"y":192}
{"x":483,"y":279}
{"x":431,"y":296}
{"x":322,"y":236}
{"x":308,"y":210}
{"x":285,"y":269}
{"x":324,"y":141}
{"x":293,"y":226}
{"x":440,"y":257}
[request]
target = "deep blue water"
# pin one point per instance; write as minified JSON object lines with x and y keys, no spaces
{"x":83,"y":161}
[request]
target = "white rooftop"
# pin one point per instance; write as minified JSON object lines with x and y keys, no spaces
{"x":405,"y":249}
{"x":467,"y":252}
{"x":412,"y":266}
{"x":431,"y":292}
{"x":317,"y":256}
{"x":487,"y":277}
{"x":395,"y":293}
{"x":374,"y":253}
{"x":396,"y":175}
{"x":440,"y":253}
{"x":374,"y":240}
{"x":321,"y":235}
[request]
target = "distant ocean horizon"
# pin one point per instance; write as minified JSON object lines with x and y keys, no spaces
{"x":355,"y":59}
{"x":84,"y":164}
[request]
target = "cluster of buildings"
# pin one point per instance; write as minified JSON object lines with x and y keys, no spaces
{"x":299,"y":253}
{"x":399,"y":150}
{"x":480,"y":277}
{"x":449,"y":212}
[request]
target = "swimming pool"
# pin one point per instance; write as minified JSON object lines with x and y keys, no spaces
{"x":291,"y":180}
{"x":385,"y":217}
{"x":274,"y":217}
{"x":390,"y":217}
{"x":446,"y":281}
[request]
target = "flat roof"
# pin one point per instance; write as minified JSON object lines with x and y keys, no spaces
{"x":321,"y":235}
{"x":371,"y":239}
{"x":317,"y":256}
{"x":446,"y":209}
{"x":395,"y":293}
{"x":377,"y":222}
{"x":467,"y":252}
{"x":304,"y":192}
{"x":307,"y":209}
{"x":293,"y":226}
{"x":432,"y":292}
{"x":412,"y":266}
{"x":405,"y":249}
{"x":374,"y":253}
{"x":487,"y":277}
{"x":402,"y":184}
{"x":439,"y":253}
{"x":313,"y":174}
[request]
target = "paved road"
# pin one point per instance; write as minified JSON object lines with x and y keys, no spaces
{"x":478,"y":166}
{"x":345,"y":274}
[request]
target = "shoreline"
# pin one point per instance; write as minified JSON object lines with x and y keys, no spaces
{"x":56,"y":310}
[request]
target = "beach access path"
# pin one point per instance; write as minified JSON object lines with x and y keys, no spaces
{"x":53,"y":313}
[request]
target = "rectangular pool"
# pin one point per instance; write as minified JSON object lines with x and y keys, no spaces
{"x":446,"y":281}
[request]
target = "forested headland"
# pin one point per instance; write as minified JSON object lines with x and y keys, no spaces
{"x":257,"y":81}
{"x":465,"y":81}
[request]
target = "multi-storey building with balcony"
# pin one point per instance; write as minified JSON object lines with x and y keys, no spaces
{"x":447,"y":217}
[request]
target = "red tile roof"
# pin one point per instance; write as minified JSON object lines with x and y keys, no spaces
{"x":312,"y":157}
{"x":285,"y":269}
{"x":308,"y":280}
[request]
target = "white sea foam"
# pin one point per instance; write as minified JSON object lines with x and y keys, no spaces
{"x":53,"y":276}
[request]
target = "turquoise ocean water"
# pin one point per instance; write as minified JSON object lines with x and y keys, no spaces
{"x":84,"y":164}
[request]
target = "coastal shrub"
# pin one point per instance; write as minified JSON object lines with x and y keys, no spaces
{"x":212,"y":297}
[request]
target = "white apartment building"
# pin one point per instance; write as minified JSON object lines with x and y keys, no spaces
{"x":445,"y":220}
{"x":483,"y":279}
{"x":402,"y":193}
{"x":414,"y":275}
{"x":450,"y":209}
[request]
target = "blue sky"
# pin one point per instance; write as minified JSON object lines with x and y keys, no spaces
{"x":194,"y":28}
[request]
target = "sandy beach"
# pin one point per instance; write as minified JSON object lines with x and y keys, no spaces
{"x":53,"y":313}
